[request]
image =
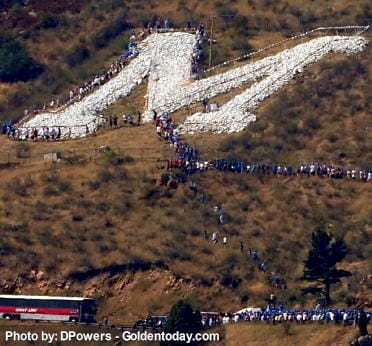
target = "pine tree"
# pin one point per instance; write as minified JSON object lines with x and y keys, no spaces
{"x":320,"y":265}
{"x":183,"y":319}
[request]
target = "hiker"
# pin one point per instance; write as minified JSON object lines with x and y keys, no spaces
{"x":214,"y":238}
{"x":139,"y":118}
{"x":205,"y":103}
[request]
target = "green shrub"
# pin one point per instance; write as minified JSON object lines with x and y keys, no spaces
{"x":114,"y":29}
{"x":240,"y":43}
{"x":77,"y":218}
{"x":111,"y":157}
{"x":230,"y":281}
{"x":49,"y":21}
{"x":23,"y":150}
{"x":18,"y":186}
{"x":104,"y":176}
{"x":128,"y":159}
{"x":312,"y":122}
{"x":50,"y":190}
{"x":94,"y":185}
{"x":77,"y":56}
{"x":16,"y":64}
{"x":63,"y":185}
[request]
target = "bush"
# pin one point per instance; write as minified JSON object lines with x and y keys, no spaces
{"x":23,"y":150}
{"x":127,"y":159}
{"x":109,"y":223}
{"x":18,"y":187}
{"x":104,"y":176}
{"x":50,"y":190}
{"x":226,"y":13}
{"x":94,"y":185}
{"x":74,"y":160}
{"x":77,"y":218}
{"x":77,"y":56}
{"x":16,"y":64}
{"x":241,"y":25}
{"x":110,"y":157}
{"x":114,"y":29}
{"x":241,"y":44}
{"x":63,"y":185}
{"x":230,"y":281}
{"x":49,"y":21}
{"x":312,"y":122}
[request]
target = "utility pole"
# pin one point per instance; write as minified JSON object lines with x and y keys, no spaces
{"x":210,"y":43}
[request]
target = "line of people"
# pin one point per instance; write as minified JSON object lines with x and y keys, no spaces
{"x":280,"y":314}
{"x":305,"y":169}
{"x":185,"y":153}
{"x":273,"y":278}
{"x":274,"y":169}
{"x":45,"y":133}
{"x":274,"y":314}
{"x":187,"y":159}
{"x":190,"y":164}
{"x":197,"y":51}
{"x":9,"y":129}
{"x":89,"y":86}
{"x":117,"y":65}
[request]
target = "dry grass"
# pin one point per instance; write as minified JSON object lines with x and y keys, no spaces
{"x":308,"y":335}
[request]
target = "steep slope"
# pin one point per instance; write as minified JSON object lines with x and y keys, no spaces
{"x":98,"y":223}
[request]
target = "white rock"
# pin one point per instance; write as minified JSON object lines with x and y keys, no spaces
{"x":166,"y":58}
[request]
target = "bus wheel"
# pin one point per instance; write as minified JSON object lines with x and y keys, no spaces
{"x":73,"y":319}
{"x":6,"y":317}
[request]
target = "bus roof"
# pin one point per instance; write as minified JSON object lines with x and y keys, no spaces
{"x":9,"y":296}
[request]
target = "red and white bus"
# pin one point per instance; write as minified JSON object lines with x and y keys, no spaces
{"x":74,"y":309}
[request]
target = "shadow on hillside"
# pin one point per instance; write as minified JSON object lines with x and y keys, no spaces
{"x":117,"y":269}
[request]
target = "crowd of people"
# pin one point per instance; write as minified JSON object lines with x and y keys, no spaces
{"x":156,"y":24}
{"x":273,"y":169}
{"x":131,"y":51}
{"x":187,"y":160}
{"x":89,"y":86}
{"x":197,"y":51}
{"x":185,"y":153}
{"x":279,"y":314}
{"x":272,"y":277}
{"x":305,"y":169}
{"x":9,"y":129}
{"x":101,"y":78}
{"x":44,"y":133}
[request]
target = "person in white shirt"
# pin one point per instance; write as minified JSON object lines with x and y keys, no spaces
{"x":214,"y":237}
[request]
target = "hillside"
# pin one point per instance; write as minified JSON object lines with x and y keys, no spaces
{"x":74,"y":40}
{"x":98,"y":223}
{"x":294,"y":335}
